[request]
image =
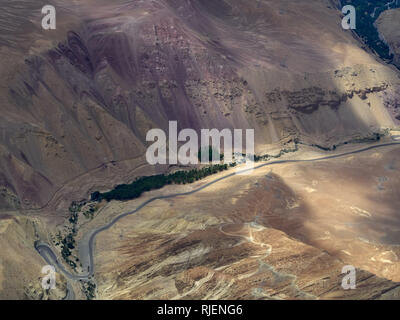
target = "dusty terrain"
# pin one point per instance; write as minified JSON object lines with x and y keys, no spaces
{"x":80,"y":99}
{"x":285,"y":232}
{"x":76,"y":104}
{"x":20,"y":265}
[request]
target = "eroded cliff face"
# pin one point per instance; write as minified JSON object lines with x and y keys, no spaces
{"x":82,"y":98}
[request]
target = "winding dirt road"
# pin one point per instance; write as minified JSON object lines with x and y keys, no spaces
{"x":87,"y":243}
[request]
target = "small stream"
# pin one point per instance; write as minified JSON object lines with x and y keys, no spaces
{"x":387,"y":5}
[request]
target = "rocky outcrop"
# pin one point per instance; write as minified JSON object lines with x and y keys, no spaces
{"x":83,"y":97}
{"x":309,"y":100}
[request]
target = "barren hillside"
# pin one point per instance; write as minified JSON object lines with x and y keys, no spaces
{"x":81,"y":98}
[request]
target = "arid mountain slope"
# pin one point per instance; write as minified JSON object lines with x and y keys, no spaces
{"x":284,"y":232}
{"x":81,"y":98}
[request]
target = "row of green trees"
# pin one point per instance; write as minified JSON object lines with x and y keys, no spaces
{"x":213,"y":154}
{"x":68,"y":242}
{"x":138,"y":187}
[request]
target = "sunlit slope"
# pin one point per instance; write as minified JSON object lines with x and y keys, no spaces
{"x":82,"y":98}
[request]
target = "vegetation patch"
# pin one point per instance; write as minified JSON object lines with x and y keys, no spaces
{"x":367,"y":14}
{"x":213,"y":154}
{"x":284,"y":151}
{"x":89,"y":289}
{"x":68,"y":241}
{"x":65,"y":240}
{"x":139,"y":186}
